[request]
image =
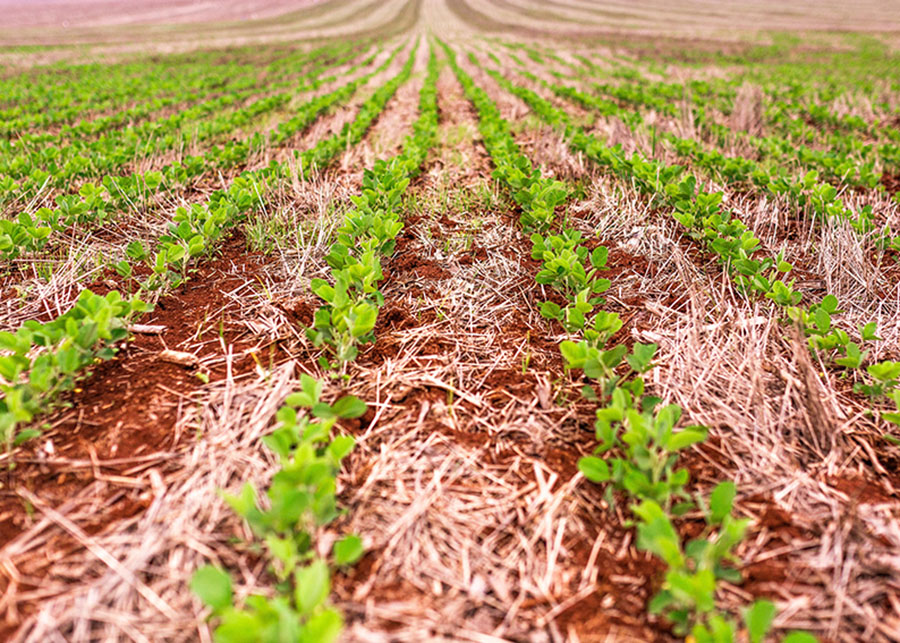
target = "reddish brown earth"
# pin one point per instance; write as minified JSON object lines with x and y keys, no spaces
{"x":629,"y":578}
{"x":128,"y":407}
{"x":891,"y":182}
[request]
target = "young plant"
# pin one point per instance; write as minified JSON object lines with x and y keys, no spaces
{"x":42,"y":359}
{"x":650,"y":447}
{"x":344,"y":321}
{"x":300,"y":499}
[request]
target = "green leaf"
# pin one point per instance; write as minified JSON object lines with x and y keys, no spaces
{"x":324,"y":627}
{"x":550,"y":310}
{"x":363,"y":319}
{"x":571,"y":352}
{"x":348,"y":550}
{"x":243,"y":503}
{"x":341,"y":446}
{"x":349,"y":407}
{"x":240,"y":627}
{"x":600,"y":285}
{"x":641,"y":357}
{"x":175,"y":253}
{"x":758,"y":619}
{"x":308,"y":396}
{"x":613,"y":357}
{"x":10,"y":367}
{"x":124,"y":269}
{"x":799,"y":637}
{"x":660,"y":602}
{"x":312,"y":584}
{"x":682,"y":439}
{"x":213,"y":586}
{"x":599,"y":257}
{"x":68,"y":360}
{"x":594,"y":469}
{"x":323,"y":411}
{"x":297,"y":400}
{"x":721,"y":501}
{"x":24,"y":436}
{"x":869,"y":332}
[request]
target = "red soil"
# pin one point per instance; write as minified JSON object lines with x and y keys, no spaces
{"x":891,"y":182}
{"x":128,"y":406}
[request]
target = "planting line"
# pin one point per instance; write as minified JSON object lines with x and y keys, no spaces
{"x":627,"y":420}
{"x":304,"y":445}
{"x":91,"y":329}
{"x":94,"y":205}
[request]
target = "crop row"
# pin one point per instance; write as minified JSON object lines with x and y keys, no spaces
{"x":194,"y":84}
{"x":209,"y":85}
{"x":61,"y":93}
{"x":94,"y":205}
{"x":806,"y":192}
{"x":794,"y":99}
{"x":301,"y":494}
{"x":57,"y":166}
{"x":705,"y":219}
{"x":368,"y":234}
{"x":845,"y":160}
{"x":44,"y":359}
{"x":628,"y":421}
{"x":840,"y":158}
{"x":300,"y":499}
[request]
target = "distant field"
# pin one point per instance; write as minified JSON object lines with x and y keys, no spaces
{"x":696,"y":17}
{"x":116,"y":13}
{"x":155,"y":21}
{"x":452,"y":320}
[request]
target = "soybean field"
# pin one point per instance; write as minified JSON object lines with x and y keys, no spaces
{"x":449,"y":320}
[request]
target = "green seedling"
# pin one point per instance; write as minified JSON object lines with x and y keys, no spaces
{"x":300,"y":498}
